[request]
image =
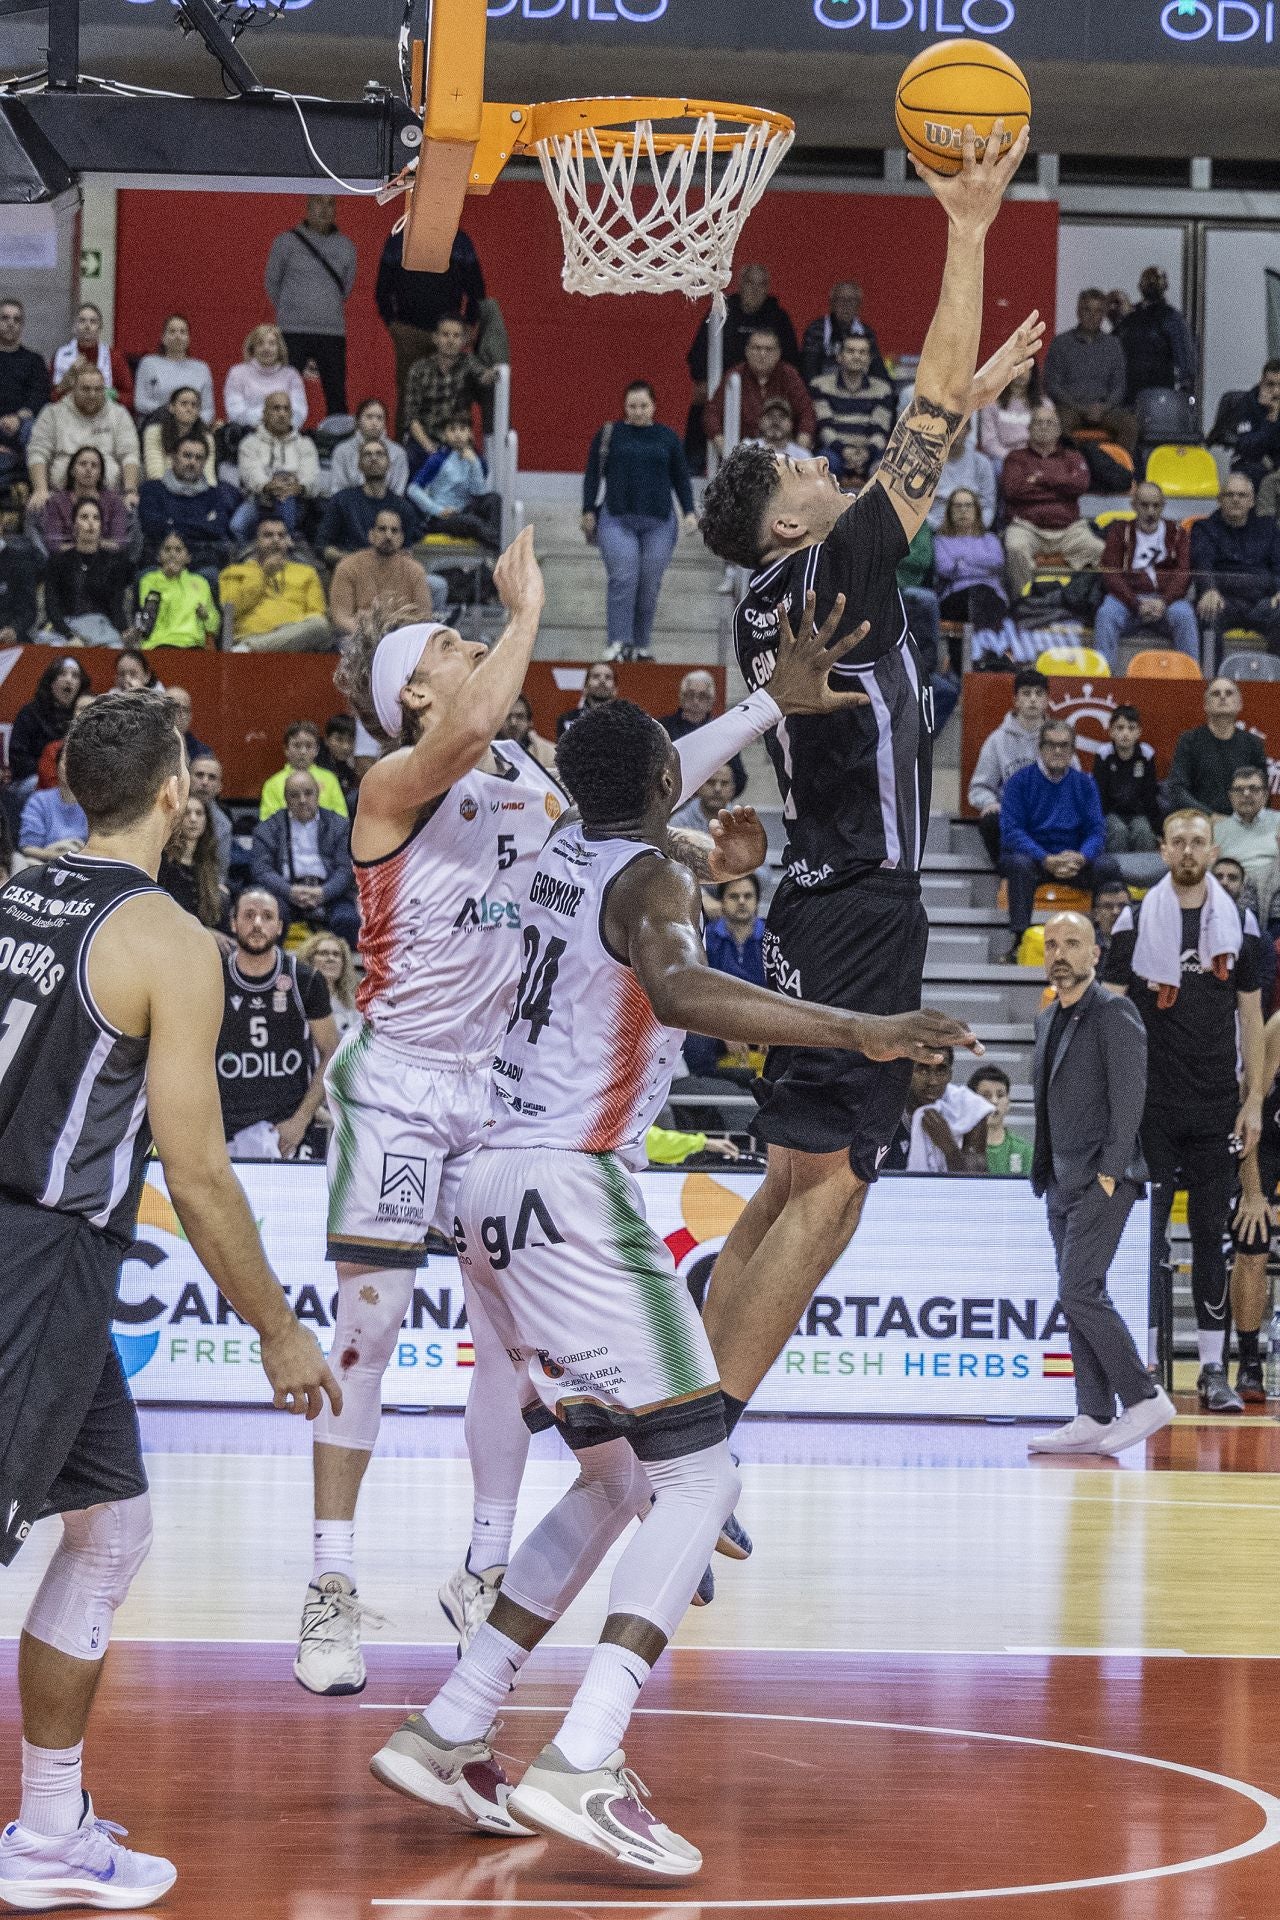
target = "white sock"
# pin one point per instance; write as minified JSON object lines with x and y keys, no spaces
{"x":492,"y":1524}
{"x":465,"y":1707}
{"x":52,"y":1797}
{"x":602,"y":1706}
{"x":335,"y":1548}
{"x":1211,"y":1346}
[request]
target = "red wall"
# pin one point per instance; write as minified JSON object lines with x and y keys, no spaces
{"x":203,"y":254}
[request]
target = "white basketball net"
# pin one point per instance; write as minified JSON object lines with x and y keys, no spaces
{"x":684,"y":242}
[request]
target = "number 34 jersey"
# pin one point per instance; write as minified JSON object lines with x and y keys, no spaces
{"x":441,"y":916}
{"x":586,"y":1065}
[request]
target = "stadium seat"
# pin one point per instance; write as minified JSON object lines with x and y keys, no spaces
{"x":1167,"y":418}
{"x":1074,"y":660}
{"x":1250,"y":666}
{"x":1185,"y":473}
{"x":1103,"y":520}
{"x":1155,"y":663}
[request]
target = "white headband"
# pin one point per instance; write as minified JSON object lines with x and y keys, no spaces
{"x":395,"y":661}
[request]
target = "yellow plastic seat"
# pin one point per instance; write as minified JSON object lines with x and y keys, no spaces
{"x":1157,"y":663}
{"x":1185,"y":473}
{"x":1104,"y":519}
{"x":1081,"y":661}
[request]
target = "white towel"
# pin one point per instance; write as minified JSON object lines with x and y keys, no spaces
{"x":962,"y":1110}
{"x":1157,"y":953}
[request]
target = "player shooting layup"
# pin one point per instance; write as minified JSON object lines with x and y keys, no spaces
{"x":846,"y":925}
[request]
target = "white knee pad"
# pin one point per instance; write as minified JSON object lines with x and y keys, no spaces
{"x":663,"y":1563}
{"x":371,"y":1308}
{"x":707,"y":1480}
{"x":92,"y":1569}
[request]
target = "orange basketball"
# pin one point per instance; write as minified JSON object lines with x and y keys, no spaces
{"x":959,"y":83}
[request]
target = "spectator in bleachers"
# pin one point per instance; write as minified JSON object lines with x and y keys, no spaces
{"x":189,"y":870}
{"x":206,"y":785}
{"x":161,"y":375}
{"x":1006,"y":423}
{"x":1014,"y":745}
{"x":696,"y":706}
{"x":311,"y":270}
{"x":54,"y":524}
{"x":1118,"y":305}
{"x":301,"y":854}
{"x":915,"y":574}
{"x":1086,"y":377}
{"x":1235,"y":564}
{"x":751,"y":305}
{"x":1146,"y":571}
{"x":854,"y":411}
{"x":944,"y":1126}
{"x":519,"y":727}
{"x":85,"y":586}
{"x":47,"y":775}
{"x":965,"y":466}
{"x":777,"y":430}
{"x":329,"y":955}
{"x":175,"y":605}
{"x":264,"y":370}
{"x":444,"y":383}
{"x":381,"y":577}
{"x":823,"y":337}
{"x":1110,"y":898}
{"x":277,"y":603}
{"x":697,"y":813}
{"x":458,"y":501}
{"x":735,"y":945}
{"x":24,"y":389}
{"x":411,"y":305}
{"x":765,"y":376}
{"x":46,"y":716}
{"x":87,"y":344}
{"x":337,"y":754}
{"x":279,"y":470}
{"x":599,"y":687}
{"x":53,"y":820}
{"x":371,"y":425}
{"x":1125,"y":770}
{"x":183,"y":713}
{"x":968,"y":563}
{"x":1158,"y":348}
{"x":1007,"y":1152}
{"x":1250,"y":833}
{"x":302,"y":743}
{"x":1206,"y":758}
{"x":179,"y":419}
{"x":348,"y":517}
{"x":1255,"y":429}
{"x":20,"y":568}
{"x":1042,"y":484}
{"x":1051,"y":828}
{"x":183,"y":501}
{"x":84,"y":417}
{"x":639,"y":465}
{"x":134,"y":672}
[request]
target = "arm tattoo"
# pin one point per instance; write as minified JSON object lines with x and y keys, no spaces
{"x":916,"y":453}
{"x":693,"y":849}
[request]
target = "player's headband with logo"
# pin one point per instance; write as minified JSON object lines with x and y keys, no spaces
{"x":395,"y":661}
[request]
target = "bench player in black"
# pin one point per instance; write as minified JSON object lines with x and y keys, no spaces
{"x":110,"y":1000}
{"x":846,"y":926}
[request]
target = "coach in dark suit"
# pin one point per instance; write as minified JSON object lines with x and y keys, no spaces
{"x":302,"y":855}
{"x":1090,"y":1079}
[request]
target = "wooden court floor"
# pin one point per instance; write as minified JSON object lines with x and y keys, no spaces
{"x":948,"y":1681}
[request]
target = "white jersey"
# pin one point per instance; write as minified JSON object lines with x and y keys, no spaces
{"x":440,"y":936}
{"x":586,"y":1064}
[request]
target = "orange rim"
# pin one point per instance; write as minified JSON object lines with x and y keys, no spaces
{"x":560,"y":119}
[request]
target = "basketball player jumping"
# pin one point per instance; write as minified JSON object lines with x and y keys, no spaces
{"x":110,"y":1002}
{"x":846,"y":925}
{"x":449,"y":823}
{"x":606,"y":1342}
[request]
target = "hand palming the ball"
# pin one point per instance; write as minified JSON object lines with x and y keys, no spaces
{"x":971,"y":198}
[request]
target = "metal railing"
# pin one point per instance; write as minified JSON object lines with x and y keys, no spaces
{"x":504,"y":454}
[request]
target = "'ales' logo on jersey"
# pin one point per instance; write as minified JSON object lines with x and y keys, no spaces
{"x":468,"y":808}
{"x":404,"y":1180}
{"x":485,"y":912}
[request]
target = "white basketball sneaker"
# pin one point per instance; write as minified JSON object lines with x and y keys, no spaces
{"x":1081,"y":1435}
{"x":601,"y":1809}
{"x":462,"y":1778}
{"x":329,"y":1659}
{"x":466,"y":1600}
{"x":87,"y":1868}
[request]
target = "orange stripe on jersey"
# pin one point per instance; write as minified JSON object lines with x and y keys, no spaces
{"x":379,"y":889}
{"x":629,"y":1062}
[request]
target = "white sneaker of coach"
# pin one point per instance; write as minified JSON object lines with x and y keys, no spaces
{"x":87,"y":1868}
{"x":1139,"y":1423}
{"x":1081,"y":1435}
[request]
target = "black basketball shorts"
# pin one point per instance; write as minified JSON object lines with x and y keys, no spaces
{"x":68,"y":1428}
{"x":860,"y":947}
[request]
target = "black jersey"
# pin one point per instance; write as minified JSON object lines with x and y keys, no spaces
{"x":1191,"y":1053}
{"x":855,"y":785}
{"x":265,"y":1055}
{"x":73,"y":1094}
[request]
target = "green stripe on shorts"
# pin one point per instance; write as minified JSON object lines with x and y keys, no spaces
{"x":633,"y":1242}
{"x":341,"y":1074}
